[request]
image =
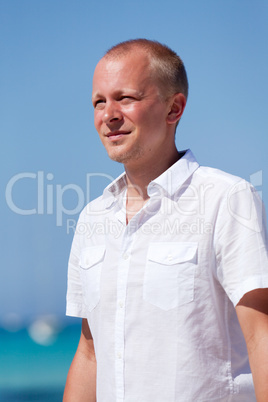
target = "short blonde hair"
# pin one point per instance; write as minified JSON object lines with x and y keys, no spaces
{"x":167,"y":66}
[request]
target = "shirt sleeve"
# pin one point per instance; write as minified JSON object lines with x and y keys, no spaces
{"x":241,"y":242}
{"x":75,"y":306}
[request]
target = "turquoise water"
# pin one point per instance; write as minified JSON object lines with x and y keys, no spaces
{"x":32,"y":372}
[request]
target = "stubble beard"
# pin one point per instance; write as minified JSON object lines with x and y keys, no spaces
{"x":124,"y":157}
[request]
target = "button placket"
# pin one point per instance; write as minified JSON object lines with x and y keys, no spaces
{"x":123,"y":268}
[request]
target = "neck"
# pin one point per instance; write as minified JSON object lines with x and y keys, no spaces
{"x":140,"y":175}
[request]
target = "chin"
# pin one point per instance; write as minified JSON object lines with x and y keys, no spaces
{"x":127,"y":156}
{"x":118,"y":158}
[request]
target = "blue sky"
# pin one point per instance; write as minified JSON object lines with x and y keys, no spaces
{"x":49,"y":50}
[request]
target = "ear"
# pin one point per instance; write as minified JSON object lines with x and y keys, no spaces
{"x":177,"y":106}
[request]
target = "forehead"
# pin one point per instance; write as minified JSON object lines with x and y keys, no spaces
{"x":131,"y":70}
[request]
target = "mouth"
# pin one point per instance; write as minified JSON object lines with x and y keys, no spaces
{"x":116,"y":135}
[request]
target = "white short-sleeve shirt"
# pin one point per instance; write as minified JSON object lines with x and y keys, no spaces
{"x":159,"y":293}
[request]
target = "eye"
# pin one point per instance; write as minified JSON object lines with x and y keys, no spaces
{"x":126,"y":98}
{"x":98,"y":103}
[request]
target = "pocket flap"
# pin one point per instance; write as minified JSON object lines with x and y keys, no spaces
{"x":170,"y":253}
{"x":91,"y":256}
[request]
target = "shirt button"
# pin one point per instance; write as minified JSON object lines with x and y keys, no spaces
{"x":121,"y":304}
{"x":119,"y":356}
{"x":125,"y":256}
{"x":170,"y":258}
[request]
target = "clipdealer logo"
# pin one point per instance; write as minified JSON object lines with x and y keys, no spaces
{"x":49,"y":197}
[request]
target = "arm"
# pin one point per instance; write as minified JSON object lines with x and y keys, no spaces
{"x":252,"y":312}
{"x":81,"y":380}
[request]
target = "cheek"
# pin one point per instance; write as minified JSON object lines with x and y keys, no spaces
{"x":139,"y":117}
{"x":97,"y":121}
{"x":152,"y":115}
{"x":150,"y":120}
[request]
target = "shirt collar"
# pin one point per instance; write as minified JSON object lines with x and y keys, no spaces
{"x":173,"y":178}
{"x":168,"y":182}
{"x":112,"y":192}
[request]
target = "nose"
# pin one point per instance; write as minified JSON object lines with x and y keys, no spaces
{"x":111,"y":113}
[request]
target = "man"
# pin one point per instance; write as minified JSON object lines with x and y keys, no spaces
{"x":177,"y":259}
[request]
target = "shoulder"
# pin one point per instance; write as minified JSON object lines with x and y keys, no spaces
{"x":217,"y":175}
{"x":231,"y":197}
{"x":224,"y":185}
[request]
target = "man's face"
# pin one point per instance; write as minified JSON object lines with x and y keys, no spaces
{"x":129,"y":113}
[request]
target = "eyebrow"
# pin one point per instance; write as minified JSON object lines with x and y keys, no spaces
{"x":119,"y":92}
{"x":96,"y":95}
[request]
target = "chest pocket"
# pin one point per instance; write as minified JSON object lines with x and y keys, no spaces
{"x":90,"y":268}
{"x":169,"y":274}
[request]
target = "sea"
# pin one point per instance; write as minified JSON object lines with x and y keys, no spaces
{"x":33,"y":368}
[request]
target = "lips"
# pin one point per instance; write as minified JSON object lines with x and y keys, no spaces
{"x":116,"y":135}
